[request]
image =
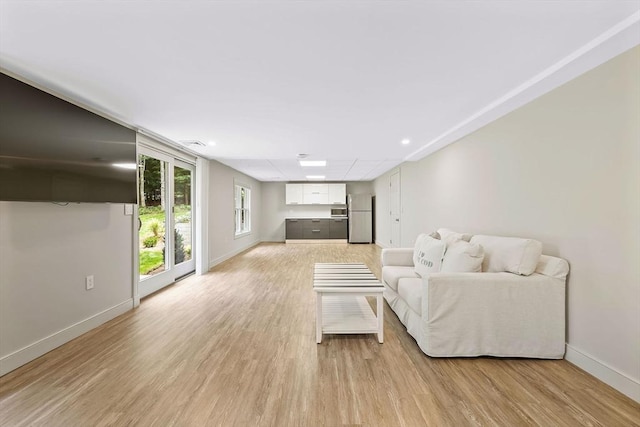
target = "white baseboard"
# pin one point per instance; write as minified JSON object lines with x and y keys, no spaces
{"x":216,"y":261}
{"x":604,"y":372}
{"x":31,"y":352}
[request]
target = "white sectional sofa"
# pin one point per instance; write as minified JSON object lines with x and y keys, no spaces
{"x":513,"y":307}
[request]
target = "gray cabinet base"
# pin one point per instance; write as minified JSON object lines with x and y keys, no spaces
{"x":339,"y":241}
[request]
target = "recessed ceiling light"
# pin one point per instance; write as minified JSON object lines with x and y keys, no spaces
{"x":312,"y":163}
{"x":320,"y":177}
{"x":406,"y":141}
{"x":211,"y":143}
{"x":124,"y":165}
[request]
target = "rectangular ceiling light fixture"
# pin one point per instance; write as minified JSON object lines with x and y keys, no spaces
{"x":312,"y":163}
{"x":315,"y":177}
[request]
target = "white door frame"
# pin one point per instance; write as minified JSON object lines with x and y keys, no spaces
{"x":158,"y":281}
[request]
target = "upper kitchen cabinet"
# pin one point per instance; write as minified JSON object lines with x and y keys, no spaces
{"x":337,"y":194}
{"x":294,"y":194}
{"x":315,"y":194}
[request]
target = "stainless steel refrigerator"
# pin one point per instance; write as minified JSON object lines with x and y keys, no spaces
{"x":360,"y":220}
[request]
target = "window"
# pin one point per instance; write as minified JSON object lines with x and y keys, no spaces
{"x":243,"y":209}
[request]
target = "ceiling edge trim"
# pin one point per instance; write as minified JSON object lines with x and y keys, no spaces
{"x":145,"y":139}
{"x":611,"y":43}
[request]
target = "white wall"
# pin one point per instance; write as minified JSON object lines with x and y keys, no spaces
{"x":202,"y":216}
{"x":382,"y":225}
{"x":46,"y":251}
{"x":221,"y":221}
{"x":563,"y":169}
{"x":360,"y":187}
{"x":275,"y":211}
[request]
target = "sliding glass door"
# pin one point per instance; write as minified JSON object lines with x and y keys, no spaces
{"x":165,"y":220}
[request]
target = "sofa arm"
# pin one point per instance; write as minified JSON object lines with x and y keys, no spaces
{"x":397,"y":256}
{"x":495,"y":314}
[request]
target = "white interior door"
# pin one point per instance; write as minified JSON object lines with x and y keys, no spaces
{"x":394,"y":209}
{"x":165,"y":219}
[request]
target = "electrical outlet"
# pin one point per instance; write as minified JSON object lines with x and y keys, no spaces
{"x":89,"y":282}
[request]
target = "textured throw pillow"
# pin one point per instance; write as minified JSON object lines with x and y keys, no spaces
{"x":450,"y":236}
{"x":512,"y":254}
{"x":419,"y":240}
{"x":428,"y":255}
{"x":462,"y":257}
{"x":416,"y":247}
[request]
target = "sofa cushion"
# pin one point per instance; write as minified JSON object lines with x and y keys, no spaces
{"x":391,"y":275}
{"x":462,"y":257}
{"x":428,"y":255}
{"x":451,"y":236}
{"x":410,"y":290}
{"x":511,"y":254}
{"x":553,"y":267}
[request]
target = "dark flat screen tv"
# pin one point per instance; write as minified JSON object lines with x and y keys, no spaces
{"x":52,"y":150}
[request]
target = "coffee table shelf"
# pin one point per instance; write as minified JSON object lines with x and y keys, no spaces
{"x":341,"y":305}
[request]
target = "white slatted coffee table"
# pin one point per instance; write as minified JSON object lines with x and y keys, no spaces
{"x":341,"y":306}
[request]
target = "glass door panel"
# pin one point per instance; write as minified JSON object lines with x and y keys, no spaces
{"x":153,"y":216}
{"x":183,"y":222}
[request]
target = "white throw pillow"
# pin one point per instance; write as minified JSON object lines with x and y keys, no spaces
{"x":416,"y":247}
{"x":519,"y":256}
{"x":450,"y":236}
{"x":462,"y":257}
{"x":428,"y":254}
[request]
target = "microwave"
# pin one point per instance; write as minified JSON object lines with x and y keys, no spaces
{"x":338,"y":212}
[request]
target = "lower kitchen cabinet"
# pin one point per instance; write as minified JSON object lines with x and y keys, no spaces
{"x":293,"y":229}
{"x":338,"y":228}
{"x":315,"y":228}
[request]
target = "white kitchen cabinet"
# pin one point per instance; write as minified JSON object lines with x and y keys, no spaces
{"x":294,"y":194}
{"x":315,"y":194}
{"x":337,"y":194}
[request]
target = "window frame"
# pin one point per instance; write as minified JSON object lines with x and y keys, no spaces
{"x":241,"y":204}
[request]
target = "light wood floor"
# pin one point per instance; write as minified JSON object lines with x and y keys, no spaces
{"x":236,"y":347}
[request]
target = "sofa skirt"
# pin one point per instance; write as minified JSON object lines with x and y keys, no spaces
{"x":409,"y":318}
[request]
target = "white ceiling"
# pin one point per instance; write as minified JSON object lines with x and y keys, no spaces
{"x":344,"y":81}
